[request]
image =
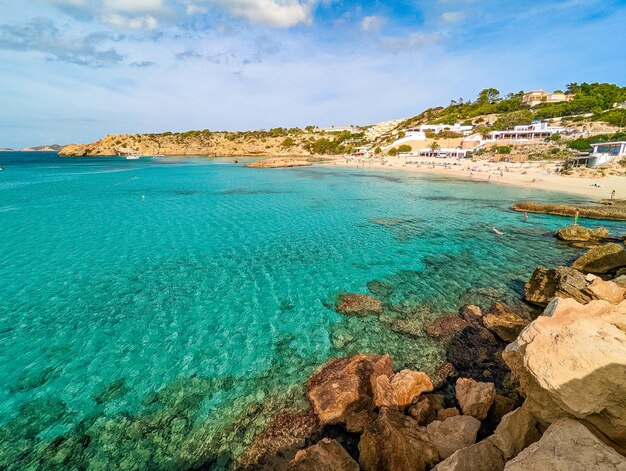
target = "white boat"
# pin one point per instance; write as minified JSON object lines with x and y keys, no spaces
{"x":132,"y":156}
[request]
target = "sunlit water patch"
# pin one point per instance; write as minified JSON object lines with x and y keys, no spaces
{"x":155,"y":313}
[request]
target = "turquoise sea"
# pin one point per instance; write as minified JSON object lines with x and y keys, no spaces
{"x":154,"y":313}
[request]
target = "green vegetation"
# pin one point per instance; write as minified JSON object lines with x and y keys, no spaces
{"x":405,"y":148}
{"x":392,"y":152}
{"x":503,"y":149}
{"x":342,"y":143}
{"x":288,"y":142}
{"x":584,"y":144}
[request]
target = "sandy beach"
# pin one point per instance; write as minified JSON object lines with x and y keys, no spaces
{"x":540,"y":175}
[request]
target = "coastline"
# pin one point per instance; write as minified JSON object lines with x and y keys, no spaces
{"x":536,"y":175}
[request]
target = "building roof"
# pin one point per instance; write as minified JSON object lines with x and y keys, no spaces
{"x":608,"y":143}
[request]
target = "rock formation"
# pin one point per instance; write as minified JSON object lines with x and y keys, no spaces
{"x":327,"y":455}
{"x":567,"y":445}
{"x":475,"y":397}
{"x":563,"y":282}
{"x":401,"y":390}
{"x":572,"y":363}
{"x":602,"y":259}
{"x":504,"y":323}
{"x":453,"y":434}
{"x":341,"y":393}
{"x":395,"y":442}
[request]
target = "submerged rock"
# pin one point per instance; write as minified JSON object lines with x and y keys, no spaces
{"x":380,"y":288}
{"x":602,"y":259}
{"x":115,"y":390}
{"x":562,"y":282}
{"x":475,"y":398}
{"x":342,"y":392}
{"x":395,"y":442}
{"x":453,"y":434}
{"x":572,"y":363}
{"x":472,"y":315}
{"x":327,"y":455}
{"x":445,"y":327}
{"x":287,"y":433}
{"x":567,"y":445}
{"x":359,"y":305}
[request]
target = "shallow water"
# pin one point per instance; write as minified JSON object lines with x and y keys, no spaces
{"x":153,"y":313}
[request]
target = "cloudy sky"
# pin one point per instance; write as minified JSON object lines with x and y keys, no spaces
{"x":76,"y":70}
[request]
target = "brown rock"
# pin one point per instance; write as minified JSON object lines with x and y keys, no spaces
{"x":445,"y":327}
{"x":482,"y":456}
{"x":501,"y":406}
{"x":402,"y":389}
{"x":472,"y":315}
{"x":620,"y":281}
{"x":442,"y":374}
{"x":567,"y":445}
{"x":444,"y":414}
{"x":359,"y":305}
{"x":563,"y":282}
{"x":425,"y":410}
{"x":602,"y":259}
{"x":516,"y":431}
{"x":287,"y":433}
{"x":327,"y":455}
{"x":475,"y":398}
{"x":453,"y":434}
{"x":574,"y":233}
{"x":395,"y":442}
{"x":341,"y":393}
{"x":504,"y":323}
{"x":606,"y":291}
{"x":572,"y":363}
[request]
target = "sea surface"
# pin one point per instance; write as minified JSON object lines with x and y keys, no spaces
{"x":155,"y":313}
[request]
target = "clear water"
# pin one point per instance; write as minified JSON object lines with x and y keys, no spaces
{"x":154,"y":313}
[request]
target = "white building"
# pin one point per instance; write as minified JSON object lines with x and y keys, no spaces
{"x":536,"y":130}
{"x":437,"y":128}
{"x":602,"y":153}
{"x":352,"y":129}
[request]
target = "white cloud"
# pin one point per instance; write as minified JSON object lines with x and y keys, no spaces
{"x":372,"y":23}
{"x":133,"y":22}
{"x":275,"y":13}
{"x":134,"y":6}
{"x":453,"y":16}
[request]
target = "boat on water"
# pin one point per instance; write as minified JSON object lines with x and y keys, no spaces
{"x":132,"y":156}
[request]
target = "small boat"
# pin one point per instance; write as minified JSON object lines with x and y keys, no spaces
{"x":1,"y":169}
{"x":497,"y":231}
{"x":132,"y":156}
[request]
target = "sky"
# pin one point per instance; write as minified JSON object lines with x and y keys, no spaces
{"x":74,"y":71}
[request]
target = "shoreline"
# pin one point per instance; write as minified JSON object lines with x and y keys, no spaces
{"x":536,"y":174}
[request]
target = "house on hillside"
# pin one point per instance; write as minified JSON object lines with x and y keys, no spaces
{"x":535,"y":130}
{"x":602,"y":153}
{"x":621,"y":106}
{"x":536,"y":97}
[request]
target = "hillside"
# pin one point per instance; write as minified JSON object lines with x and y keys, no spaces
{"x":590,"y":110}
{"x":275,"y":142}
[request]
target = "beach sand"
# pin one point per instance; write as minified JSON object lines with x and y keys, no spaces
{"x":540,"y":175}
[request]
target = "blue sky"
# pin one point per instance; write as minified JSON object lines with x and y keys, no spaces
{"x":76,"y":70}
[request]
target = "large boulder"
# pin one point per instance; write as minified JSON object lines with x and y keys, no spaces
{"x":453,"y":434}
{"x":342,"y":392}
{"x":402,"y":389}
{"x":602,"y":259}
{"x":574,"y":233}
{"x":395,"y":442}
{"x":562,"y":282}
{"x":606,"y":290}
{"x":475,"y":398}
{"x":571,"y":362}
{"x":504,"y":323}
{"x":472,"y":315}
{"x":516,"y":431}
{"x":567,"y":445}
{"x":482,"y":456}
{"x":359,"y":305}
{"x":327,"y":455}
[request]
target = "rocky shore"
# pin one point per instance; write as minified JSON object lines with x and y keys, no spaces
{"x":607,"y":210}
{"x":521,"y":389}
{"x":285,"y":162}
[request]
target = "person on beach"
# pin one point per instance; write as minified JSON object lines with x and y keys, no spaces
{"x":576,"y":216}
{"x":612,"y":194}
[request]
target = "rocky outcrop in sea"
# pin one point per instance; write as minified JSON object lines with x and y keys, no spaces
{"x":520,"y":389}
